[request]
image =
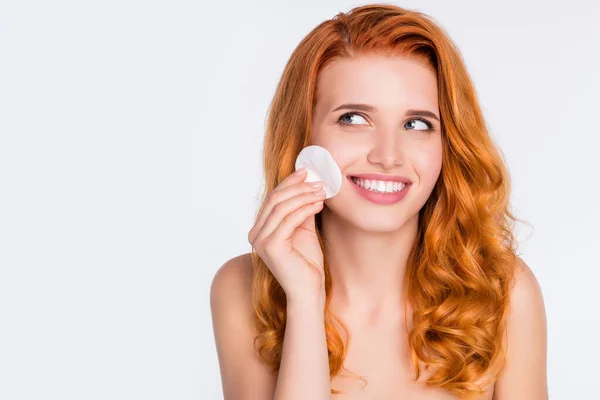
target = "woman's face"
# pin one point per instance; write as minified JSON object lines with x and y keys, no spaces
{"x":388,"y":138}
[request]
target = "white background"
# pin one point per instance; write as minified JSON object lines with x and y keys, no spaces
{"x":130,"y":171}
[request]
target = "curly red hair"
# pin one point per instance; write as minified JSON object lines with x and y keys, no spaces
{"x":462,"y":264}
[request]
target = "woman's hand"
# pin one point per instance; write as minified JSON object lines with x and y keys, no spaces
{"x":285,"y":238}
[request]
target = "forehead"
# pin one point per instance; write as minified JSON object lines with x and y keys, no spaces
{"x":383,"y":81}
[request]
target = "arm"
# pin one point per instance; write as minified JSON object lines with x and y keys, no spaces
{"x":525,"y":374}
{"x":304,"y":370}
{"x":243,"y":374}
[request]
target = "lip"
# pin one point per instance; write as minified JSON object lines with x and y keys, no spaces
{"x":380,"y":198}
{"x":380,"y":177}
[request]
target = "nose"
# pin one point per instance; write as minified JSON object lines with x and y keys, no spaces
{"x":387,"y":149}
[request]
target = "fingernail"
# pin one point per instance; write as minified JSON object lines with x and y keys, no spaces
{"x":300,"y":171}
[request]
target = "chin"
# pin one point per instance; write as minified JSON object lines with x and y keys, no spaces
{"x":378,"y":225}
{"x":379,"y":219}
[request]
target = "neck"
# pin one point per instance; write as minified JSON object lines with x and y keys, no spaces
{"x":367,"y":268}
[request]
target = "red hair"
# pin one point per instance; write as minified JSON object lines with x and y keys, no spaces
{"x":462,"y":264}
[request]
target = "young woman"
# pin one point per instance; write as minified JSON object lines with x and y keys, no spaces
{"x":408,"y":279}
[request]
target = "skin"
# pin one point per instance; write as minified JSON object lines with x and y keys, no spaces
{"x":391,"y":140}
{"x":385,"y":141}
{"x":367,"y":247}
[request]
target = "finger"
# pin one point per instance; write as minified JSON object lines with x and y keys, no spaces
{"x":276,"y":197}
{"x":291,"y":222}
{"x":283,"y":209}
{"x":294,"y":177}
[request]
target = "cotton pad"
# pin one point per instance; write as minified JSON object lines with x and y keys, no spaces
{"x":321,"y":167}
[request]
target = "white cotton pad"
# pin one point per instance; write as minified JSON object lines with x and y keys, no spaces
{"x":321,"y":167}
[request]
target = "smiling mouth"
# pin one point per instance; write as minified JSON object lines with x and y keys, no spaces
{"x":355,"y":183}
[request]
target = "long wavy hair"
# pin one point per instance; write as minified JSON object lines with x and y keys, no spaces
{"x":461,"y":267}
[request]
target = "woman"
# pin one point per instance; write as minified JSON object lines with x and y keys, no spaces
{"x":419,"y":292}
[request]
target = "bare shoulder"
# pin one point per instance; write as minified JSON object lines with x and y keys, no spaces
{"x":526,"y":341}
{"x":243,"y":374}
{"x":526,"y":300}
{"x":233,"y":275}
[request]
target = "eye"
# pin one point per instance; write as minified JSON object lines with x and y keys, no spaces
{"x":428,"y":126}
{"x":346,"y":117}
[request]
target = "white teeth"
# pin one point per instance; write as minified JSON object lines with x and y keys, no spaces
{"x":379,"y":186}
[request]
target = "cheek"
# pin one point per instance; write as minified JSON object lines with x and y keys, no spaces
{"x":428,"y":162}
{"x":426,"y":158}
{"x":343,"y":153}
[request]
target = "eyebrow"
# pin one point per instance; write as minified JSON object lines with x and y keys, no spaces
{"x":366,"y":107}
